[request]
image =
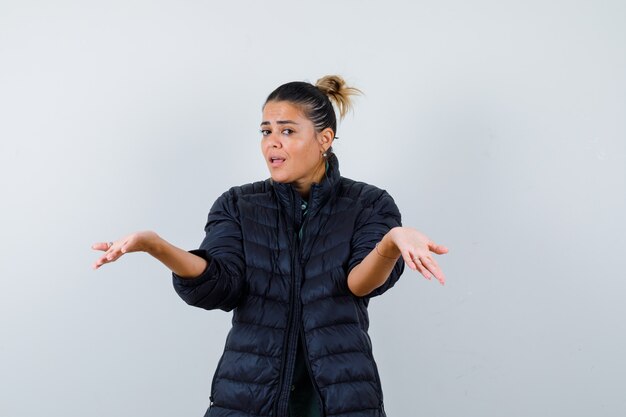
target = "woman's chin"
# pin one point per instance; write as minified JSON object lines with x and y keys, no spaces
{"x":280,"y":178}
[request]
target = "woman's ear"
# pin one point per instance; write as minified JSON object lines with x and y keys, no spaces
{"x":325,"y":138}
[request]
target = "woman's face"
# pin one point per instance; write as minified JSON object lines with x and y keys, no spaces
{"x":291,"y":147}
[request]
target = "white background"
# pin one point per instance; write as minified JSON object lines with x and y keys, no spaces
{"x":498,"y":127}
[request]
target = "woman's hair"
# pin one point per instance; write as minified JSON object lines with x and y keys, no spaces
{"x":316,"y":101}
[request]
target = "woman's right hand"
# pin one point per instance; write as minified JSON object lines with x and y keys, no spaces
{"x":136,"y":242}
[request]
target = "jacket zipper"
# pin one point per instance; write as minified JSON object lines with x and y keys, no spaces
{"x":301,"y":327}
{"x":303,"y":339}
{"x":289,"y":350}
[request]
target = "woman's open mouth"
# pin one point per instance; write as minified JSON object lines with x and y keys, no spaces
{"x":276,"y":162}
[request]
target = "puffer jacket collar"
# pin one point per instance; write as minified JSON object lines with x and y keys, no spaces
{"x":319,"y":195}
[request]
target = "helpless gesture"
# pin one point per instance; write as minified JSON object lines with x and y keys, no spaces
{"x":179,"y":261}
{"x":136,"y":242}
{"x":296,"y":258}
{"x":415,"y":248}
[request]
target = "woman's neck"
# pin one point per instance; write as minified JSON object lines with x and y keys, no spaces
{"x":304,"y":188}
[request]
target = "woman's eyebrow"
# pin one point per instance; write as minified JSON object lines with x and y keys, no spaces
{"x":280,"y":122}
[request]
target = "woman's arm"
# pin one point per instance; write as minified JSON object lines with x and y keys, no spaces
{"x":179,"y":261}
{"x":413,"y":246}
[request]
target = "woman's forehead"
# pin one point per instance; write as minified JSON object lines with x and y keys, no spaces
{"x":281,"y":111}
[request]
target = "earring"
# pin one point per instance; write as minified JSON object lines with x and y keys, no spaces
{"x":325,"y":154}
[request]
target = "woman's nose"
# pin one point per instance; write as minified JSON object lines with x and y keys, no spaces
{"x":273,"y":140}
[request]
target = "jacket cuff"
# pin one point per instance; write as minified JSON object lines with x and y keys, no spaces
{"x":205,"y":276}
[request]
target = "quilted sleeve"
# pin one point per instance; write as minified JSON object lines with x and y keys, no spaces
{"x":374,"y":221}
{"x":221,"y":283}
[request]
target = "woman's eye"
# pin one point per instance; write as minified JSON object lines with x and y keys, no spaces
{"x":264,"y":132}
{"x":287,"y":131}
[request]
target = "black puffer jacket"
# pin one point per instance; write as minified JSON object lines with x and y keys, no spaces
{"x":282,"y":288}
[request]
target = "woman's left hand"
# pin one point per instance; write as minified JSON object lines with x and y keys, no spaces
{"x":416,"y":249}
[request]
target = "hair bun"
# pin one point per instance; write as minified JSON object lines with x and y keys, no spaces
{"x":338,"y":92}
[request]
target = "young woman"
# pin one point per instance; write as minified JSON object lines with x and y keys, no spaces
{"x":296,"y":258}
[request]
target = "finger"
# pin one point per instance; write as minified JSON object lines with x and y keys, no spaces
{"x":100,"y":246}
{"x":409,"y":261}
{"x":420,"y":267}
{"x":99,"y":262}
{"x":119,"y":251}
{"x":423,"y":270}
{"x":113,"y":255}
{"x":434,"y":269}
{"x":112,"y":248}
{"x":438,"y":249}
{"x":126,"y":246}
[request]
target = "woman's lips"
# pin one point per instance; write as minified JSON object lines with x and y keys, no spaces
{"x":276,"y":162}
